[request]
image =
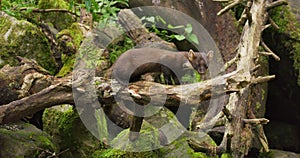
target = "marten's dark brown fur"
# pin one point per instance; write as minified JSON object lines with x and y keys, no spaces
{"x":132,"y":64}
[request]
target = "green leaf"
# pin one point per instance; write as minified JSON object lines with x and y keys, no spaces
{"x":88,"y":5}
{"x":159,"y":18}
{"x":193,"y":38}
{"x":143,"y":18}
{"x":124,"y":2}
{"x":179,"y":37}
{"x":175,"y":27}
{"x":151,"y":19}
{"x":188,"y":29}
{"x":71,"y":5}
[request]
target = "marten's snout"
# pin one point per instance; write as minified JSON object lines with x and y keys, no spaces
{"x":201,"y":67}
{"x":201,"y":70}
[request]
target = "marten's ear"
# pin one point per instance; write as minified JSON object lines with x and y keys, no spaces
{"x":191,"y":55}
{"x":210,"y":55}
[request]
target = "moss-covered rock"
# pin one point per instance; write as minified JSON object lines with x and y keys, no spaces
{"x":154,"y":140}
{"x":180,"y":148}
{"x":69,"y":42}
{"x":25,"y":140}
{"x":279,"y":154}
{"x":21,"y":38}
{"x":289,"y":30}
{"x":123,"y":147}
{"x":59,"y":20}
{"x":64,"y":125}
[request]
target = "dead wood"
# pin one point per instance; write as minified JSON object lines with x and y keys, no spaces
{"x":141,"y":36}
{"x":239,"y":105}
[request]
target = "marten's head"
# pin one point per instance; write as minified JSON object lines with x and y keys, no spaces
{"x":200,"y":60}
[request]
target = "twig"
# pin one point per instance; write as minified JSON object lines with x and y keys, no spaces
{"x":247,"y":11}
{"x":243,"y":18}
{"x":266,"y":26}
{"x":231,"y":5}
{"x":272,"y":22}
{"x":276,"y":4}
{"x":61,"y":152}
{"x":37,"y":10}
{"x":255,"y":68}
{"x":269,"y":51}
{"x":256,"y":121}
{"x":261,"y":79}
{"x":246,"y":14}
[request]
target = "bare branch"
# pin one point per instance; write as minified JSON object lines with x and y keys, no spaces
{"x":60,"y":93}
{"x":259,"y":132}
{"x":37,"y":10}
{"x":269,"y":51}
{"x":243,"y":18}
{"x":266,"y":26}
{"x":231,"y":5}
{"x":261,"y":79}
{"x":256,"y":121}
{"x":255,"y":68}
{"x":247,"y":11}
{"x":246,"y":15}
{"x":276,"y":4}
{"x":272,"y":22}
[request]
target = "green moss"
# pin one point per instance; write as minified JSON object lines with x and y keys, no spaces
{"x":289,"y":25}
{"x":180,"y":148}
{"x":25,"y":142}
{"x":257,"y":105}
{"x":64,"y":125}
{"x":64,"y":121}
{"x":269,"y":154}
{"x":74,"y":31}
{"x":116,"y":49}
{"x":123,"y":154}
{"x":68,"y":62}
{"x":226,"y":155}
{"x":59,"y":20}
{"x":21,"y":38}
{"x":263,"y":94}
{"x":58,"y":4}
{"x":75,"y":35}
{"x":282,"y":16}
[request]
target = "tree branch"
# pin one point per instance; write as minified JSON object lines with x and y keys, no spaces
{"x":256,"y":121}
{"x":37,"y":10}
{"x":272,"y":22}
{"x":58,"y":94}
{"x":269,"y":51}
{"x":261,"y":79}
{"x":276,"y":4}
{"x":61,"y":93}
{"x":231,"y":5}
